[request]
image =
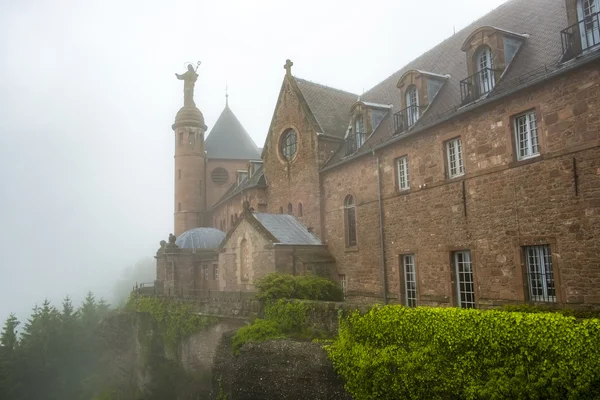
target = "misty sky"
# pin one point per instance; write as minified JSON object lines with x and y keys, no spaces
{"x":88,"y":96}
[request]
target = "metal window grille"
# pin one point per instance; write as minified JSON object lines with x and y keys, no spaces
{"x":540,"y":276}
{"x":527,"y":135}
{"x":216,"y":272}
{"x":402,"y":165}
{"x":410,"y":280}
{"x":455,"y":159}
{"x":412,"y":106}
{"x":591,"y":27}
{"x":289,"y":144}
{"x":464,"y":279}
{"x":350,"y":211}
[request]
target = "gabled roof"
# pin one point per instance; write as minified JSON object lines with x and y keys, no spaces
{"x":256,"y":180}
{"x":541,"y":20}
{"x":279,"y":229}
{"x":287,"y":229}
{"x":229,"y":140}
{"x":329,"y":106}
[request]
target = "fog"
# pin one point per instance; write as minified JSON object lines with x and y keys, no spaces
{"x":88,"y":95}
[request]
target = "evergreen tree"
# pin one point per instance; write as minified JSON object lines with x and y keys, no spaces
{"x":9,"y":360}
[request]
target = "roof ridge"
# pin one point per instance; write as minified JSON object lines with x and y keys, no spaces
{"x":325,"y":86}
{"x":414,"y":60}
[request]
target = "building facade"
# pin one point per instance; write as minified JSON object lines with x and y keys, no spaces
{"x":470,"y":177}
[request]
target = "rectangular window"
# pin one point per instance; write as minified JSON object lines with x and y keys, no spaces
{"x":216,"y":272}
{"x":410,"y":280}
{"x":455,"y":158}
{"x":192,"y":139}
{"x":526,"y":136}
{"x":540,"y":277}
{"x":342,"y":278}
{"x":402,"y":168}
{"x":180,"y":138}
{"x":465,"y":288}
{"x":205,"y":271}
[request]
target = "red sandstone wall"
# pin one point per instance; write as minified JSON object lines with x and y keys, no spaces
{"x":509,"y":204}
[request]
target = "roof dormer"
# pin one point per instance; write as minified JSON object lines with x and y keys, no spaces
{"x":417,"y":90}
{"x":365,"y":117}
{"x":489,"y":51}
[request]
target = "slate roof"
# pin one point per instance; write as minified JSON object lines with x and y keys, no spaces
{"x":287,"y":229}
{"x":229,"y":140}
{"x":542,"y":20}
{"x":329,"y":106}
{"x":256,"y":180}
{"x":200,"y":238}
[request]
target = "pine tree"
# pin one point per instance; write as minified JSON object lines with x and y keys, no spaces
{"x":9,"y":371}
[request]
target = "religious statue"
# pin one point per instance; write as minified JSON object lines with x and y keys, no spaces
{"x":189,"y":80}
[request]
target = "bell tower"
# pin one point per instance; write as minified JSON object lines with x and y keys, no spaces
{"x":190,"y":163}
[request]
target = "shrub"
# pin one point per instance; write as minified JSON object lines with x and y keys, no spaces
{"x":259,"y":331}
{"x":395,"y":352}
{"x":526,"y":308}
{"x":307,"y":287}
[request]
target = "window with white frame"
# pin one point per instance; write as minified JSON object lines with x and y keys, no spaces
{"x":402,"y":169}
{"x":216,"y":272}
{"x":410,"y":280}
{"x":465,"y":288}
{"x":526,"y":135}
{"x":412,"y":105}
{"x":540,"y":276}
{"x":342,"y":278}
{"x":205,"y":271}
{"x":455,"y":158}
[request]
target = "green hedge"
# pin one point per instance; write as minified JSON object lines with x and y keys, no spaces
{"x":306,"y":287}
{"x":395,"y":352}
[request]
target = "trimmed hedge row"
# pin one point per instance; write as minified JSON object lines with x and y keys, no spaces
{"x":305,"y":287}
{"x":395,"y":352}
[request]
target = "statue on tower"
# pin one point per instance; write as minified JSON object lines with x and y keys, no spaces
{"x":189,"y":80}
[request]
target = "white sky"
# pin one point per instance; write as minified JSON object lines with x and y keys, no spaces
{"x":88,"y":96}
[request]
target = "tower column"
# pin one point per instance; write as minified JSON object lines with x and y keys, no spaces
{"x":190,"y":164}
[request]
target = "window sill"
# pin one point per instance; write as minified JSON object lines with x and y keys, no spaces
{"x":352,"y":249}
{"x":525,"y":161}
{"x":450,"y":178}
{"x":402,"y":192}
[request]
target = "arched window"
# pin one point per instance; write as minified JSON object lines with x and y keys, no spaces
{"x":244,"y":259}
{"x":288,"y":144}
{"x":300,"y":209}
{"x":589,"y":27}
{"x":281,"y":210}
{"x":412,"y":105}
{"x":290,"y":209}
{"x":350,"y":220}
{"x":485,"y":70}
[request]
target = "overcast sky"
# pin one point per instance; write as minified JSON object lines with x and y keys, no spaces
{"x":88,"y":95}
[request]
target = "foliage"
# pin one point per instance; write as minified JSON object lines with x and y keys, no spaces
{"x":307,"y":287}
{"x":395,"y":352}
{"x":175,"y":319}
{"x":282,"y":319}
{"x":55,"y":356}
{"x":526,"y":308}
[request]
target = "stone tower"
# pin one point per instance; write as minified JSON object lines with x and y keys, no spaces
{"x":190,"y":162}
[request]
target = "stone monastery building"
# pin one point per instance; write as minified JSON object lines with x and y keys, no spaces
{"x":470,"y":177}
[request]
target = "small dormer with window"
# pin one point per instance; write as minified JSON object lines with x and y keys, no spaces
{"x":583,"y":33}
{"x":489,"y":51}
{"x":242,"y":175}
{"x":253,"y":166}
{"x":365,"y":117}
{"x":417,"y":91}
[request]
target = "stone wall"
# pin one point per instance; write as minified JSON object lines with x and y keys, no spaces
{"x":499,"y":205}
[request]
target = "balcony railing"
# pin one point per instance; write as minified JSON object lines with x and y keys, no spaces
{"x":477,"y":85}
{"x":581,"y":36}
{"x":354,"y":141}
{"x":406,"y":118}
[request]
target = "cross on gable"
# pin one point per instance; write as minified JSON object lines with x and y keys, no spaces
{"x":288,"y":66}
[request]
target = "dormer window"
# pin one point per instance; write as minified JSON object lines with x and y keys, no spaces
{"x":584,"y":32}
{"x":418,"y":89}
{"x":412,"y":105}
{"x":356,"y":135}
{"x":489,"y":51}
{"x":485,"y":70}
{"x":241,"y":176}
